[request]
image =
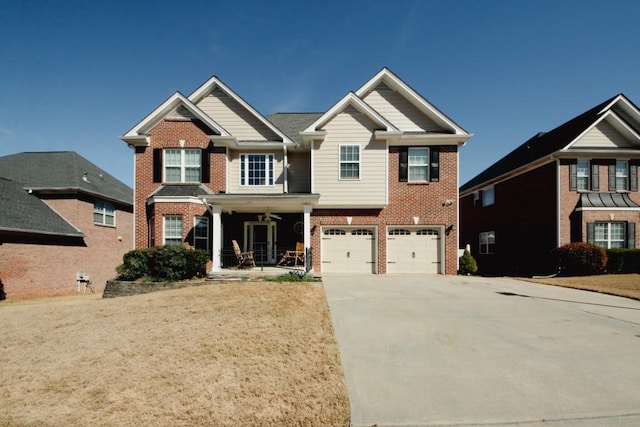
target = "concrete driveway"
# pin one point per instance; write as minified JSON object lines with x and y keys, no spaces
{"x":438,"y":350}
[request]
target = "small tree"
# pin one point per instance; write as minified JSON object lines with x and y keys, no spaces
{"x":468,"y":264}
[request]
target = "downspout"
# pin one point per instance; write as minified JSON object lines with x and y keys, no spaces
{"x":286,"y":168}
{"x":558,"y":201}
{"x":133,"y":242}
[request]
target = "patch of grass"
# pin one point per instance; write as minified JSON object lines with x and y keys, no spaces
{"x":223,"y":354}
{"x":624,"y":285}
{"x":292,"y":276}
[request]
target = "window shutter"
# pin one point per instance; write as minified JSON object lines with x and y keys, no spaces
{"x":573,"y":177}
{"x":633,"y":177}
{"x":595,"y":177}
{"x":403,"y":163}
{"x":591,"y":233}
{"x":631,"y":235}
{"x":157,"y":165}
{"x":206,"y":167}
{"x":612,"y":177}
{"x":434,"y":169}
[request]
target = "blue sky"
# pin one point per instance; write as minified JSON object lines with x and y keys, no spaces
{"x":75,"y":75}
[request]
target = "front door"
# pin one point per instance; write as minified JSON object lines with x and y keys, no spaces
{"x":260,"y":236}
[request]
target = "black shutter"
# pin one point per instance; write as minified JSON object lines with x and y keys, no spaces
{"x":591,"y":233}
{"x":595,"y":177}
{"x":612,"y":177}
{"x":573,"y":177}
{"x":205,"y":172}
{"x":157,"y":165}
{"x":631,"y":235}
{"x":633,"y":177}
{"x":434,"y":169}
{"x":403,"y":164}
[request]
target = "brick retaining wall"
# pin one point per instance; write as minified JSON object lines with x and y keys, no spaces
{"x":116,"y":288}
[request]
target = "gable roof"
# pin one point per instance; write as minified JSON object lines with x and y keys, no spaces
{"x":547,"y":143}
{"x":293,"y":123}
{"x":21,"y":212}
{"x":63,"y":172}
{"x":137,"y":135}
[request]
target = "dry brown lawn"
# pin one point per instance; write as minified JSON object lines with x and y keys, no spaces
{"x":624,"y":285}
{"x":219,"y":354}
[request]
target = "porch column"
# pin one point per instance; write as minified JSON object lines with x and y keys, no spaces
{"x":216,"y":238}
{"x":307,"y":226}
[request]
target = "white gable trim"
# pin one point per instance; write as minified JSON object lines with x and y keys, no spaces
{"x":412,"y":96}
{"x":615,"y":121}
{"x":213,"y":82}
{"x":138,"y":134}
{"x":352,"y":100}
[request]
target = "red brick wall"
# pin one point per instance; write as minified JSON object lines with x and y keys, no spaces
{"x":37,"y":266}
{"x":167,"y":134}
{"x":406,"y":200}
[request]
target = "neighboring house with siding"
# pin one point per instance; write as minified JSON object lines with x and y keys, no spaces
{"x":59,"y":215}
{"x":575,"y":183}
{"x":368,"y":186}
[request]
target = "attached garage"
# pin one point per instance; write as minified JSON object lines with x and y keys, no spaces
{"x":348,"y":250}
{"x":413,"y":250}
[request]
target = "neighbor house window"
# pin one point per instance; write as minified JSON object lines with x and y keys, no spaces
{"x":104,"y":213}
{"x":622,"y":175}
{"x":182,"y":165}
{"x":418,"y":164}
{"x":349,"y":162}
{"x":582,"y":175}
{"x":201,"y":233}
{"x":610,"y":235}
{"x":487,"y":242}
{"x":173,"y":230}
{"x":256,"y":169}
{"x":488,"y":196}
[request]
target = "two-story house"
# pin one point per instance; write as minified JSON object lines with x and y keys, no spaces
{"x":368,"y":186}
{"x":60,"y":215}
{"x":575,"y":183}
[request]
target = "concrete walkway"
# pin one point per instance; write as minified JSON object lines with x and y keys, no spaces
{"x":463,"y":351}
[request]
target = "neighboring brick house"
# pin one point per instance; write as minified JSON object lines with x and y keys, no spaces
{"x":59,"y":215}
{"x":368,"y":186}
{"x":576,"y":183}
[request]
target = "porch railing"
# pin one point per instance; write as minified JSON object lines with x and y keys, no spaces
{"x":228,"y":258}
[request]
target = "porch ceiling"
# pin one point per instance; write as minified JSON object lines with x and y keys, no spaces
{"x":261,"y":202}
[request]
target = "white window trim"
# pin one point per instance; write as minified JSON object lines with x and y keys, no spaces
{"x":164,"y":228}
{"x":103,"y":212}
{"x":427,"y":164}
{"x":609,"y":240}
{"x":625,"y":176}
{"x":341,"y":162}
{"x":183,"y":166}
{"x":588,"y":175}
{"x":486,"y":234}
{"x":195,"y":236}
{"x":270,"y":160}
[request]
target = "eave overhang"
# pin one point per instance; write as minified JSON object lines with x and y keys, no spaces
{"x":234,"y":143}
{"x":275,"y":203}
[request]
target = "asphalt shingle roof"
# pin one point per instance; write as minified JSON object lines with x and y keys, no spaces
{"x":24,"y":212}
{"x":63,"y":171}
{"x":182,"y":191}
{"x":293,"y":123}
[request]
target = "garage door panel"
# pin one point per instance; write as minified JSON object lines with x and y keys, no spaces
{"x":348,"y":251}
{"x":413,"y":250}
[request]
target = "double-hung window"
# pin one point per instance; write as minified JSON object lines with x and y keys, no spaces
{"x":256,"y":170}
{"x":418,"y":164}
{"x":104,"y":213}
{"x":610,"y":235}
{"x":622,"y":175}
{"x":582,"y":175}
{"x":172,"y":230}
{"x":488,"y":196}
{"x":201,"y":233}
{"x":182,"y":165}
{"x":487,"y":242}
{"x":349,"y":162}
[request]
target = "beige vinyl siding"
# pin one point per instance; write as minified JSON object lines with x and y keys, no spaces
{"x":399,"y":111}
{"x":234,"y":186}
{"x":603,"y":135}
{"x":299,"y":172}
{"x":370,"y":188}
{"x":236,"y":119}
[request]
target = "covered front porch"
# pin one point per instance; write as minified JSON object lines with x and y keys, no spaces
{"x":265,"y":227}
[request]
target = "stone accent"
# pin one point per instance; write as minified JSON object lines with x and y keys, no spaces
{"x":117,"y":288}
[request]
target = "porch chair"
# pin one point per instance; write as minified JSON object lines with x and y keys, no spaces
{"x":293,"y":257}
{"x":245,"y":259}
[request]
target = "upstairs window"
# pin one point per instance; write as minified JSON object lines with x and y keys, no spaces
{"x":256,"y":170}
{"x":349,"y":162}
{"x":582,"y":175}
{"x":419,"y":164}
{"x":104,"y":213}
{"x":487,"y":242}
{"x":182,"y":165}
{"x":488,"y":196}
{"x":172,"y":230}
{"x":622,"y":175}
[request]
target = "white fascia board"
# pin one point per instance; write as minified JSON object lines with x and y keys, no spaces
{"x":609,"y":115}
{"x":412,"y":96}
{"x":597,"y":153}
{"x":611,"y":104}
{"x":203,"y":90}
{"x":608,"y":209}
{"x":170,"y":199}
{"x":232,"y":142}
{"x":428,"y":139}
{"x":353,"y":100}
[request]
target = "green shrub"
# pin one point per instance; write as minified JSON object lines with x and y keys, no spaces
{"x":623,"y":261}
{"x":291,"y":276}
{"x":163,"y":264}
{"x":468,"y":264}
{"x":580,"y":259}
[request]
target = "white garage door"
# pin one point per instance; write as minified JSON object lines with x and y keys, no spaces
{"x":413,"y":250}
{"x":346,"y":250}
